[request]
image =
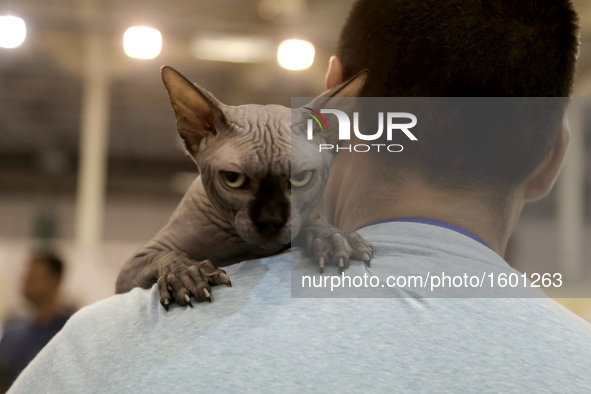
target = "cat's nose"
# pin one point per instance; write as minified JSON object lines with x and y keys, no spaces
{"x":268,"y":223}
{"x":270,"y":208}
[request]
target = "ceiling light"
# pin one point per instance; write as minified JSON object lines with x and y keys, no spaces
{"x":142,"y":42}
{"x":295,"y":54}
{"x":13,"y":31}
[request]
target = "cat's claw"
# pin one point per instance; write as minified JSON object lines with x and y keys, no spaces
{"x":207,"y":295}
{"x":325,"y":243}
{"x":366,"y":259}
{"x":188,"y":300}
{"x":180,"y":277}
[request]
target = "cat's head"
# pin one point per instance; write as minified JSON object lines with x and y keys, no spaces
{"x":258,"y":176}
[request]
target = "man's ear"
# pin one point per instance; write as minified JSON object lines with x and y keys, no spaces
{"x":543,"y":178}
{"x":197,"y":111}
{"x":334,"y":75}
{"x":350,"y":88}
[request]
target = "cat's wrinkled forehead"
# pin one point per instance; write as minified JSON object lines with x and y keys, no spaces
{"x":259,"y":138}
{"x":254,"y":118}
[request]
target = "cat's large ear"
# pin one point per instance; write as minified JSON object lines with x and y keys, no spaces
{"x":349,"y":88}
{"x":197,"y":111}
{"x":342,"y":98}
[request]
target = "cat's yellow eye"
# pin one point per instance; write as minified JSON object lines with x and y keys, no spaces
{"x":233,"y":179}
{"x":301,"y":179}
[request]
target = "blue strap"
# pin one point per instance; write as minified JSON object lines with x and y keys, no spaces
{"x":432,"y":222}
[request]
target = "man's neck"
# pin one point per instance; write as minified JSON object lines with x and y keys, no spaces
{"x":353,"y":199}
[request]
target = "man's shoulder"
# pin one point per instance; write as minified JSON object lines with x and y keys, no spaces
{"x":141,"y":307}
{"x":256,"y":331}
{"x":107,"y":318}
{"x":119,"y":304}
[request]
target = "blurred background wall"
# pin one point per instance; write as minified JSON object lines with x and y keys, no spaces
{"x":90,"y":159}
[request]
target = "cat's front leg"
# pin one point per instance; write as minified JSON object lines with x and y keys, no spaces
{"x":326,"y":243}
{"x":179,"y":277}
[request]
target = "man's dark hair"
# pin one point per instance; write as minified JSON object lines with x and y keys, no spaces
{"x":53,"y":263}
{"x":468,"y":48}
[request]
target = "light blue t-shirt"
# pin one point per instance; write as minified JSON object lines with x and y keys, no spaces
{"x":256,"y":337}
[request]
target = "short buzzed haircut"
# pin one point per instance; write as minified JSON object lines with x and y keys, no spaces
{"x":468,"y":48}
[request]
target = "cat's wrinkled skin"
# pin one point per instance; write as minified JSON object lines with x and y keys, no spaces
{"x":251,"y":199}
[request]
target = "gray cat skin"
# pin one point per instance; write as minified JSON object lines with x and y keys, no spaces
{"x":251,"y":199}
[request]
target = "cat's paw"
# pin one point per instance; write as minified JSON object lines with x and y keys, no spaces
{"x":326,"y":243}
{"x":179,"y":277}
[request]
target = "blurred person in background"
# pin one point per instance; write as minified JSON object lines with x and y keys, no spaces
{"x":24,"y":337}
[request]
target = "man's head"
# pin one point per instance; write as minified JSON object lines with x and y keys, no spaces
{"x":467,"y":48}
{"x":461,"y":48}
{"x":458,"y":48}
{"x":42,"y":278}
